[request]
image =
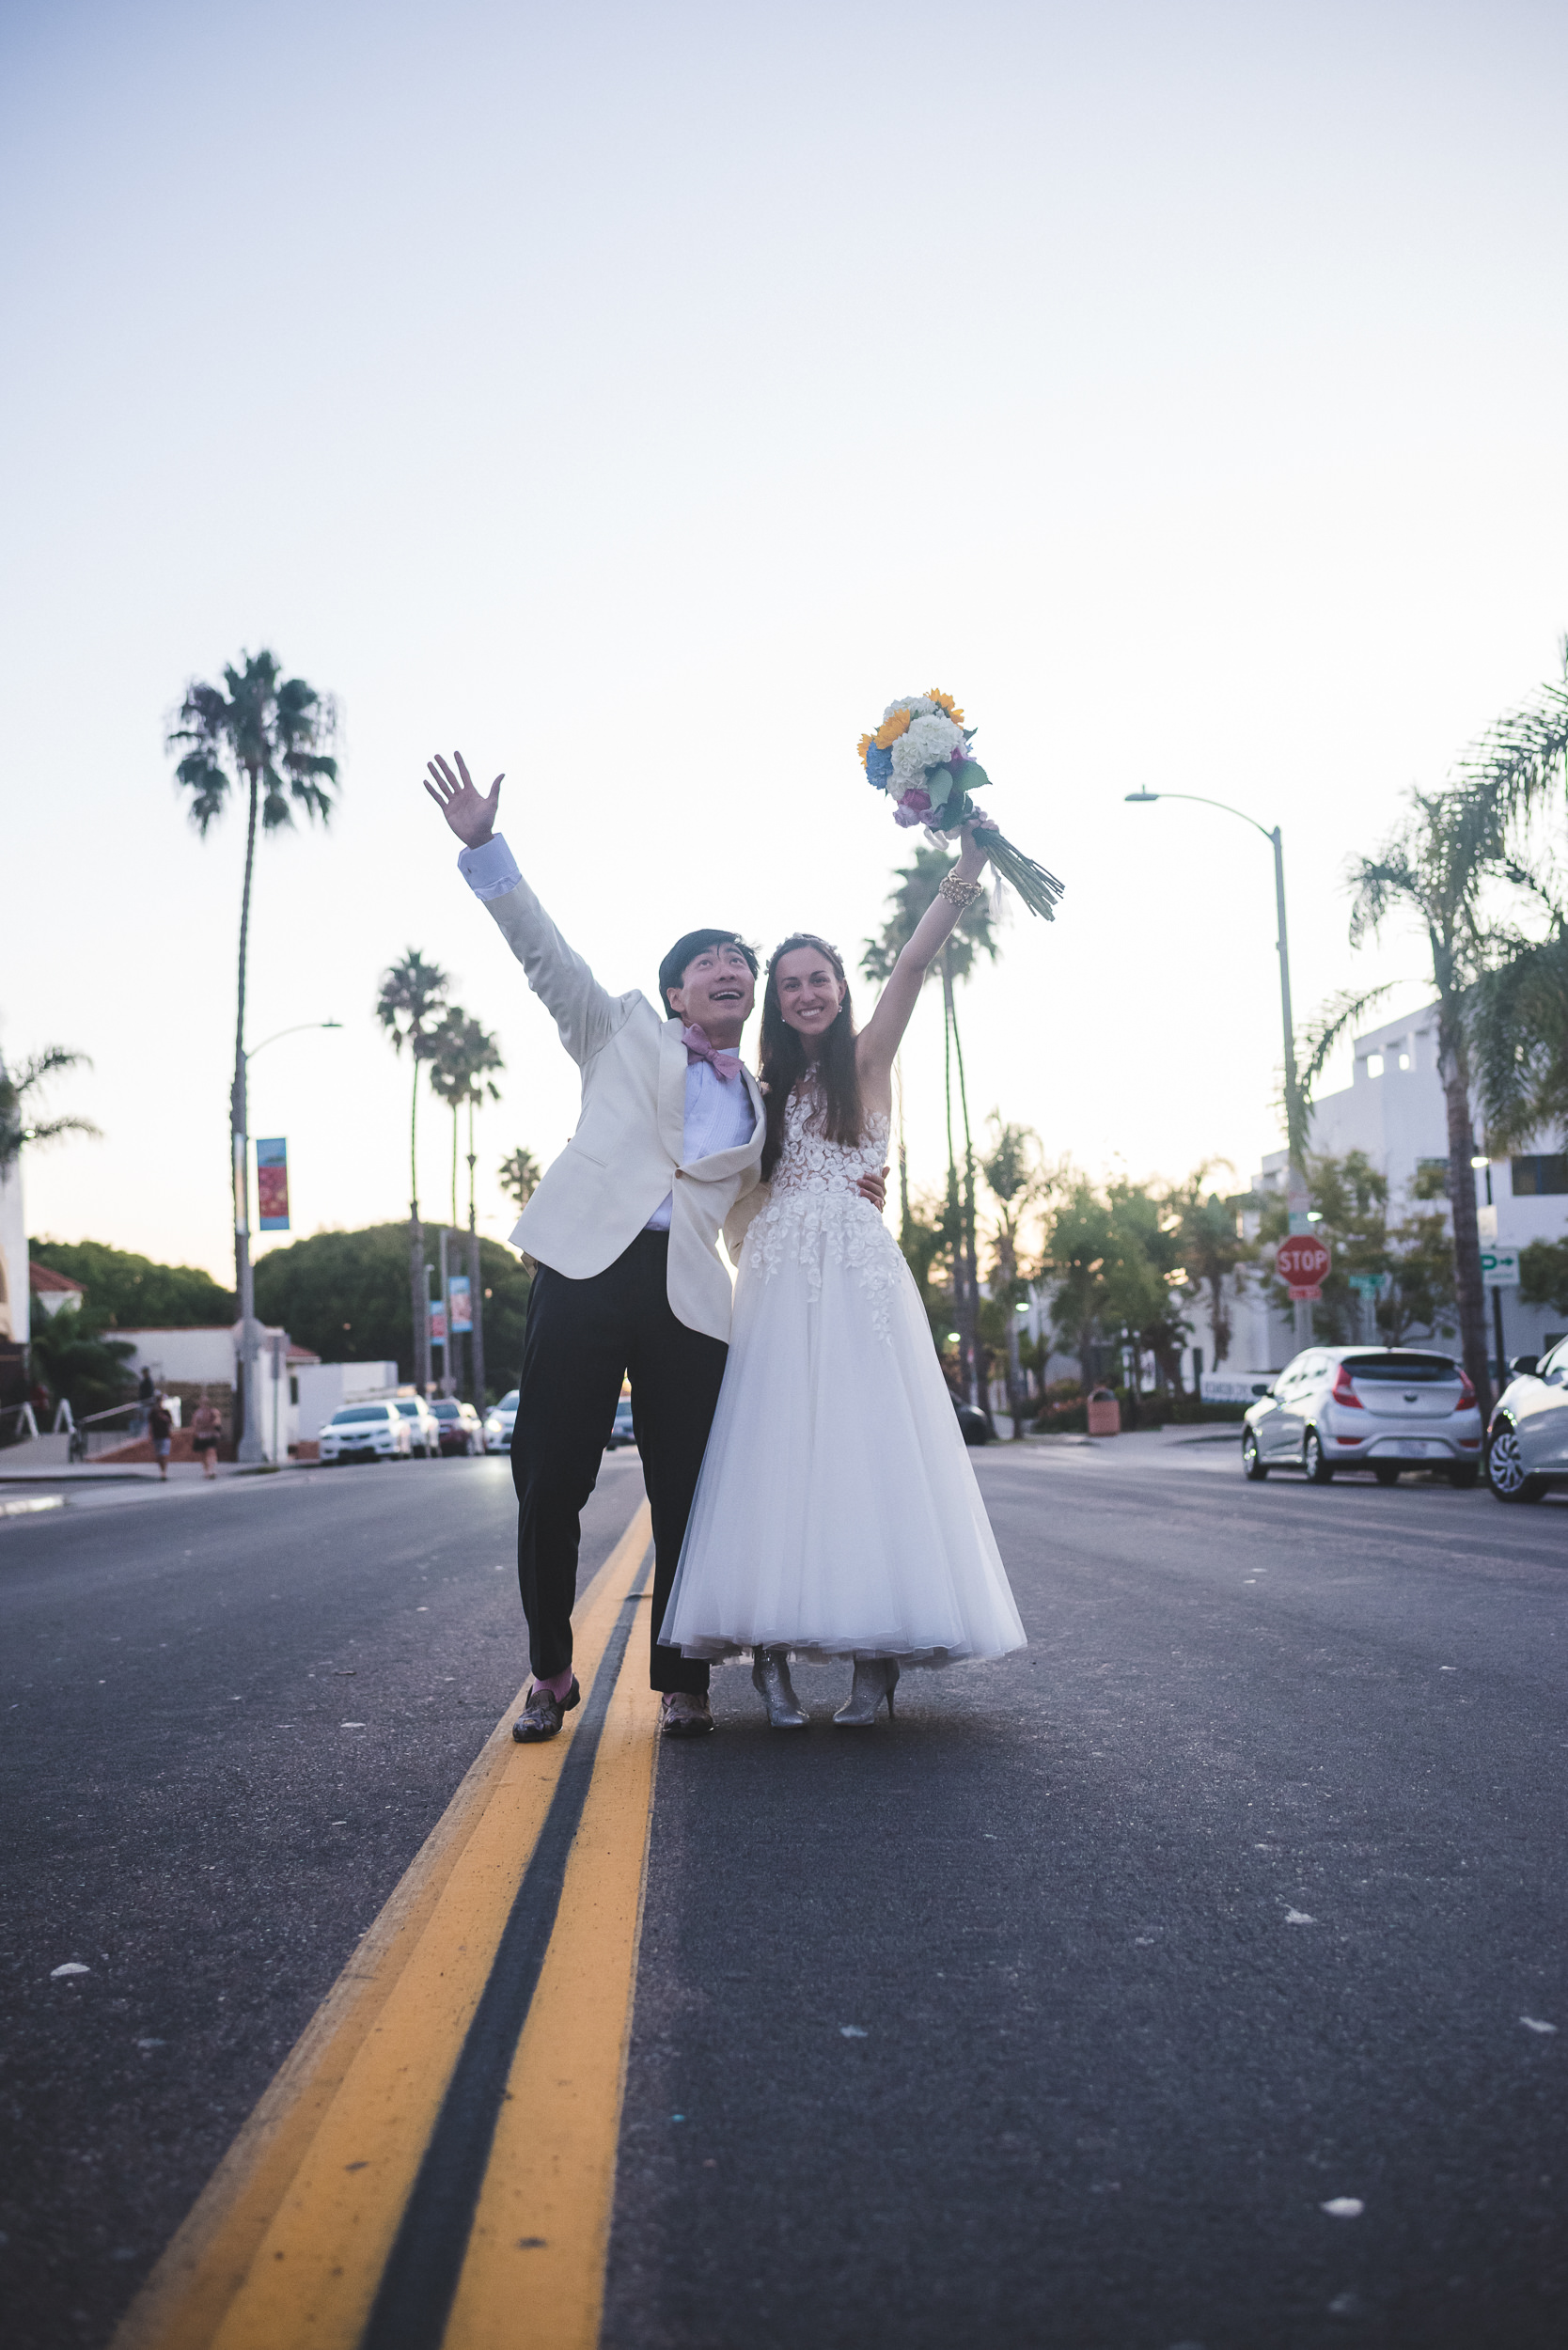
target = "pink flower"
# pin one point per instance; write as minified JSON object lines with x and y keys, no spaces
{"x":915,"y":797}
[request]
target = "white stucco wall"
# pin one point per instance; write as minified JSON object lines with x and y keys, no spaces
{"x":15,"y":1321}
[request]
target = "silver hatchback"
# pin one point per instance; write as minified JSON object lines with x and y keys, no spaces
{"x":1363,"y":1407}
{"x":1527,"y":1449}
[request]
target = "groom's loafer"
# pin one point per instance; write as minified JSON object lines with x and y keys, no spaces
{"x":541,"y":1714}
{"x":682,"y":1716}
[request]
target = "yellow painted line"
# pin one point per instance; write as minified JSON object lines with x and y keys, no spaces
{"x":534,"y":2269}
{"x":286,"y":2244}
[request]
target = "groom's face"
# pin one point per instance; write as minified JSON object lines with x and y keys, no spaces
{"x":716,"y":994}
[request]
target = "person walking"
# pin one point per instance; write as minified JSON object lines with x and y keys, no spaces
{"x":144,"y":1392}
{"x":159,"y":1427}
{"x":624,"y":1228}
{"x":205,"y":1435}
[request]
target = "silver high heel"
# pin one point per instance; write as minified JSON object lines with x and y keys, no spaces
{"x":770,"y":1678}
{"x":875,"y":1678}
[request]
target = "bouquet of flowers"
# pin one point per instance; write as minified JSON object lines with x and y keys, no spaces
{"x":919,"y":756}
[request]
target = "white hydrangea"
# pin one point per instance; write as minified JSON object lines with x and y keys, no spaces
{"x":893,"y":709}
{"x":934,"y":738}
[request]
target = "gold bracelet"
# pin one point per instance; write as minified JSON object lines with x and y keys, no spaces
{"x":960,"y":893}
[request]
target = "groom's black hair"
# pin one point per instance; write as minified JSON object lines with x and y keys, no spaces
{"x":673,"y":968}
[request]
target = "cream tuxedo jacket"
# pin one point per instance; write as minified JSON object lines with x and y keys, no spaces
{"x":629,"y":1149}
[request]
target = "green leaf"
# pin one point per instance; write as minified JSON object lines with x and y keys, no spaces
{"x":972,"y":776}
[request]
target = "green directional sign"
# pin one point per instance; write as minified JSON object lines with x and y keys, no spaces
{"x":1500,"y":1268}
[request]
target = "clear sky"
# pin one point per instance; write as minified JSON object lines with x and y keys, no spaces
{"x":640,"y":399}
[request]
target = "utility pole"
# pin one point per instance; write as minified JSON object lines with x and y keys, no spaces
{"x":476,"y":1287}
{"x":250,"y":1448}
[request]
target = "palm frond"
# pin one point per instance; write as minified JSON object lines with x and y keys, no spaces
{"x":1520,"y":761}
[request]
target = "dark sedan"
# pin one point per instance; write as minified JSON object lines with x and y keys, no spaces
{"x":460,"y":1426}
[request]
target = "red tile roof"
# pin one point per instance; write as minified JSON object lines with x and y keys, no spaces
{"x":42,"y":1276}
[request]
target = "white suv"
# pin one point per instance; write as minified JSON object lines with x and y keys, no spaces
{"x":366,"y":1432}
{"x":1381,"y":1408}
{"x":499,"y":1421}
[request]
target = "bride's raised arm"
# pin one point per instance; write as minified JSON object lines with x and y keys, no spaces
{"x":882,"y":1033}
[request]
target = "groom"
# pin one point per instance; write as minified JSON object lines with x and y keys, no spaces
{"x":624,"y":1228}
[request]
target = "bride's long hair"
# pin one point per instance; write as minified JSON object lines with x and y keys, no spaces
{"x":784,"y":1060}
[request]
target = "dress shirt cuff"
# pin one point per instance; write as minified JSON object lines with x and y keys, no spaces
{"x":489,"y":871}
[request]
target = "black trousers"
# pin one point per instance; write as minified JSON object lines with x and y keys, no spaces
{"x":583,"y":1337}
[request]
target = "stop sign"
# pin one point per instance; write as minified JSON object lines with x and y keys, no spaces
{"x":1302,"y":1261}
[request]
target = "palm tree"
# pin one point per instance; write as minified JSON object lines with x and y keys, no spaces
{"x":412,"y":993}
{"x":464,"y":1055}
{"x":520,"y":1176}
{"x":261,"y":733}
{"x":1434,"y":869}
{"x":917,"y":885}
{"x":1012,"y":1177}
{"x":19,"y":1129}
{"x":1209,"y":1244}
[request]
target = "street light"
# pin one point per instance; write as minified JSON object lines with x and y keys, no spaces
{"x":1294,"y":1133}
{"x":251,"y":1448}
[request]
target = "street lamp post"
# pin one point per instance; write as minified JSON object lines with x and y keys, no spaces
{"x":251,"y":1447}
{"x":1294,"y":1123}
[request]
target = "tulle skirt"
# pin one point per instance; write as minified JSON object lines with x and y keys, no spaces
{"x":837,"y":1513}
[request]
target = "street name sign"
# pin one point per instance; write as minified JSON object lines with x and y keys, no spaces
{"x":1301,"y":1262}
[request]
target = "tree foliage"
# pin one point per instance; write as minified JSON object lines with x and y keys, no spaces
{"x":131,"y":1293}
{"x":345,"y":1296}
{"x":21,"y":1127}
{"x":261,"y":727}
{"x":71,"y":1357}
{"x":1409,"y":1254}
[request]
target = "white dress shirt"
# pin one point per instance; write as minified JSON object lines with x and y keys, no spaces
{"x":718,"y":1112}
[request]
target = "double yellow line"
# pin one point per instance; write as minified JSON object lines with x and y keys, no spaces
{"x":434,"y":2167}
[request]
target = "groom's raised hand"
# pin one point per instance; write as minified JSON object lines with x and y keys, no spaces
{"x":470,"y":813}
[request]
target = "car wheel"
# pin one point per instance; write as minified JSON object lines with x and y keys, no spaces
{"x":1319,"y":1471}
{"x":1505,"y":1469}
{"x":1464,"y":1475}
{"x":1385,"y":1472}
{"x":1252,"y":1463}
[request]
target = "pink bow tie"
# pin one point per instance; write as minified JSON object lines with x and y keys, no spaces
{"x":724,"y":1064}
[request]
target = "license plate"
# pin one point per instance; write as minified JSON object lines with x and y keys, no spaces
{"x":1423,"y":1452}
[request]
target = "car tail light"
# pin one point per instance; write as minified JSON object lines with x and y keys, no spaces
{"x":1466,"y":1393}
{"x":1344,"y":1392}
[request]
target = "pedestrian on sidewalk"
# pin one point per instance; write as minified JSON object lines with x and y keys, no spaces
{"x":205,"y":1433}
{"x":159,"y":1427}
{"x":624,"y":1228}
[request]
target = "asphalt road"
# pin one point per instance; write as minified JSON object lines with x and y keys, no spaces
{"x":1057,"y":2014}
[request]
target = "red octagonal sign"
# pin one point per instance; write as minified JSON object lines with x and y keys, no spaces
{"x":1302,"y":1261}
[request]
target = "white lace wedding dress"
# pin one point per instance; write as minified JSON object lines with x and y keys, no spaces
{"x":837,"y":1513}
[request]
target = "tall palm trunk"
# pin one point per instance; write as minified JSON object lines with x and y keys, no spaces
{"x":979,"y":1388}
{"x":476,"y":1289}
{"x":1453,"y":1069}
{"x":418,"y":1281}
{"x":963,"y":1303}
{"x":247,"y":1404}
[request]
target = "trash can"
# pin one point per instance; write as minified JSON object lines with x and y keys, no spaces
{"x":1104,"y":1413}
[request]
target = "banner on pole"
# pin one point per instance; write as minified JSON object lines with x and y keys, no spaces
{"x":438,"y":1323}
{"x":272,"y":1183}
{"x":462,"y":1312}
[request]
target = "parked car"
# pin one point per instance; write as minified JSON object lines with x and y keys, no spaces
{"x":1526,"y":1443}
{"x":424,"y":1428}
{"x":972,"y":1421}
{"x":621,"y":1432}
{"x":365,"y":1431}
{"x":500,"y":1422}
{"x":1381,"y":1408}
{"x":457,"y":1424}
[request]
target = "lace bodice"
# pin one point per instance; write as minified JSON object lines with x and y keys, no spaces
{"x":814,"y":1211}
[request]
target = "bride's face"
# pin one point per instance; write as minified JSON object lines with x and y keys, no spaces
{"x":809,"y":992}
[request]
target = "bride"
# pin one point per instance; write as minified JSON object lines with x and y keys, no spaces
{"x":837,"y":1513}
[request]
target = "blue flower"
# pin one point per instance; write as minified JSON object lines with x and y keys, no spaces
{"x":879,"y":767}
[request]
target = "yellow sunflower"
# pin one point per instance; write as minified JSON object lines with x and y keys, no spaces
{"x":945,"y":701}
{"x":890,"y":729}
{"x":863,"y":746}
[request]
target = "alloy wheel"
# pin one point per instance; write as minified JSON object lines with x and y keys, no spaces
{"x":1253,"y":1465}
{"x":1505,"y":1468}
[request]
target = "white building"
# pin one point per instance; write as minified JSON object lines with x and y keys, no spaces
{"x":1394,"y":1111}
{"x":203,"y":1359}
